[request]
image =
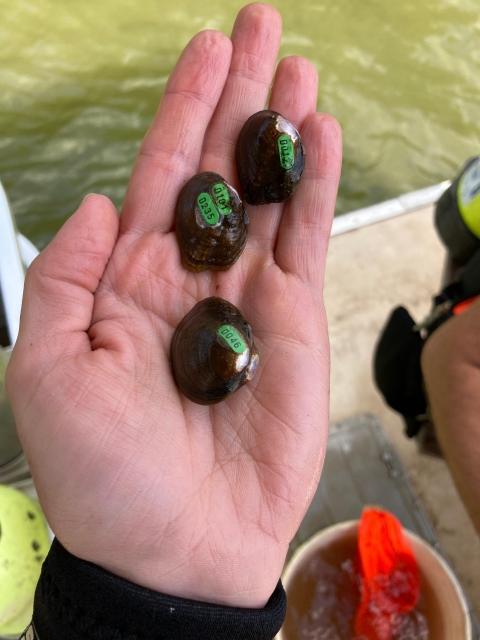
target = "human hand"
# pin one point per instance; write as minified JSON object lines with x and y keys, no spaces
{"x":451,"y":369}
{"x":194,"y":501}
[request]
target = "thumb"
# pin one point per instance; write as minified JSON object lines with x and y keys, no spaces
{"x":60,"y":283}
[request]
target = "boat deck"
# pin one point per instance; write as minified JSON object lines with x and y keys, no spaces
{"x":370,"y":271}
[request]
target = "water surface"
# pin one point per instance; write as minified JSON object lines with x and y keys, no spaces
{"x":80,"y":83}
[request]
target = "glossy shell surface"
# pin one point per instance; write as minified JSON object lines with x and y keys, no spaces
{"x":210,"y":223}
{"x":270,"y":158}
{"x":213,"y":353}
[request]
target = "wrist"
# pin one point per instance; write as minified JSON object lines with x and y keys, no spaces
{"x":235,"y":582}
{"x":245,"y":587}
{"x":76,"y":599}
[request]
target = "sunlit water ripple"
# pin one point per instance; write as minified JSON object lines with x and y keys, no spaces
{"x":80,"y":83}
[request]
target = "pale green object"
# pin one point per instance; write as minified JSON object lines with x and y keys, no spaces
{"x":286,"y":151}
{"x":232,"y":338}
{"x":208,"y":209}
{"x":222,"y":199}
{"x":24,"y":544}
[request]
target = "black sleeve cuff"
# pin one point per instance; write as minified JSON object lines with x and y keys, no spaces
{"x":77,"y":600}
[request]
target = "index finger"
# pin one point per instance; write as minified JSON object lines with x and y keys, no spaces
{"x":170,"y":152}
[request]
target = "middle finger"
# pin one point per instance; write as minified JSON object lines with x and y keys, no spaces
{"x":256,"y":41}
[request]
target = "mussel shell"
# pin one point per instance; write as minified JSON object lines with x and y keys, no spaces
{"x":270,"y":158}
{"x":207,"y":366}
{"x":212,"y":233}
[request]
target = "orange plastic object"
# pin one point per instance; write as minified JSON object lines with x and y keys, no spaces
{"x":463,"y":306}
{"x":390,"y":576}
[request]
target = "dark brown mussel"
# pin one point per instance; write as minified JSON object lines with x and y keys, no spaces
{"x":213,"y":353}
{"x":210,"y":223}
{"x":270,"y":158}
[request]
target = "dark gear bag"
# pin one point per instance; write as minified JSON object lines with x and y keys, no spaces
{"x":397,"y":369}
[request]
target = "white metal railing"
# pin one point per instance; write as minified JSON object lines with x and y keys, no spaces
{"x":388,"y":209}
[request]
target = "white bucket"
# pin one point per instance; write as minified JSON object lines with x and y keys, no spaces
{"x":448,"y":612}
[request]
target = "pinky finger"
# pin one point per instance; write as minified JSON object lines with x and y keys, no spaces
{"x":307,"y":220}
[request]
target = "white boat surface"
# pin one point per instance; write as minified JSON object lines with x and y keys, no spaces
{"x":16,"y":254}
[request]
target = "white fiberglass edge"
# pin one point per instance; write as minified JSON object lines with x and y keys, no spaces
{"x":11,"y":269}
{"x":27,"y":249}
{"x":388,"y":209}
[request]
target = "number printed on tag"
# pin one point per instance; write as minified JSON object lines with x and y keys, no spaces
{"x":285,"y":150}
{"x":232,"y":338}
{"x":222,"y":199}
{"x":208,"y":209}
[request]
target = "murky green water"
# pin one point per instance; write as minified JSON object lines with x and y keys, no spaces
{"x":80,"y":82}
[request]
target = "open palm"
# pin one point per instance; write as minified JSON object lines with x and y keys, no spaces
{"x":194,"y":501}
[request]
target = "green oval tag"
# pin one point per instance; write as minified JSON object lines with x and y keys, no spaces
{"x":285,"y":150}
{"x":231,"y":337}
{"x":222,"y":199}
{"x":208,"y":209}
